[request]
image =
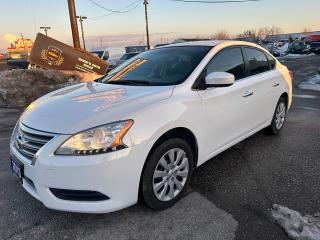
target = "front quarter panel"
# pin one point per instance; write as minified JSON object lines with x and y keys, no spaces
{"x":181,"y":110}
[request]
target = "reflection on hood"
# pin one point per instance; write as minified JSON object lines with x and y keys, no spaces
{"x":107,"y":97}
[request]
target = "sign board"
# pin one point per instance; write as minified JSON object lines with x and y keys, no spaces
{"x":49,"y":53}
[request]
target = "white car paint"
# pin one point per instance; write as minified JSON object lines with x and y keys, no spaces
{"x":218,"y":118}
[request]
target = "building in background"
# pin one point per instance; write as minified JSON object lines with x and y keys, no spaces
{"x":20,"y":48}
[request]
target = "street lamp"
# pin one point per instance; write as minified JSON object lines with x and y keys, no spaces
{"x":81,"y":18}
{"x":45,"y":29}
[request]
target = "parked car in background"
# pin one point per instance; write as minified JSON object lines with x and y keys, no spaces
{"x":313,"y":37}
{"x":315,"y":47}
{"x":269,"y":46}
{"x":139,"y":132}
{"x":280,"y":51}
{"x":282,"y":42}
{"x":126,"y":57}
{"x":18,"y":63}
{"x":102,"y":53}
{"x":113,"y":63}
{"x":136,"y":49}
{"x":130,"y":52}
{"x":299,"y":47}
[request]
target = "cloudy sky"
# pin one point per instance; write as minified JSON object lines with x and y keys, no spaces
{"x":168,"y":19}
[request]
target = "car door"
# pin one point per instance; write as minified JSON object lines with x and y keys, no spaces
{"x":265,"y":82}
{"x":227,"y":110}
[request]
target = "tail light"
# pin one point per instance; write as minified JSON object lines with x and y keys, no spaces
{"x":291,"y":74}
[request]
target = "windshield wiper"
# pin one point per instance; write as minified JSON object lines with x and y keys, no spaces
{"x":129,"y":82}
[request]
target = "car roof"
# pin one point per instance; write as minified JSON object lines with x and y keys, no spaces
{"x":210,"y":43}
{"x":196,"y":43}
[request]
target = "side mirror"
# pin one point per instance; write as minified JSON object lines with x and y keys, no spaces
{"x":106,"y":55}
{"x":219,"y":79}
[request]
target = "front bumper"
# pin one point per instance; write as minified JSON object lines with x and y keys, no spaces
{"x":116,"y":175}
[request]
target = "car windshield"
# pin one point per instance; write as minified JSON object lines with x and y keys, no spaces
{"x":162,"y":66}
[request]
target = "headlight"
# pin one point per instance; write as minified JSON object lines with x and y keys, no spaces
{"x":14,"y":132}
{"x":97,"y":140}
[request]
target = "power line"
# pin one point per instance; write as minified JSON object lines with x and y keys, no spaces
{"x":111,"y":10}
{"x":135,"y":4}
{"x":215,"y":2}
{"x":34,"y":17}
{"x":125,"y":9}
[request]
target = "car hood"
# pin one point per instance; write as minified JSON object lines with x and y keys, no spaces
{"x":83,"y":106}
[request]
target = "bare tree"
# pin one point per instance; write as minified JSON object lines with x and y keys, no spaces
{"x":263,"y":32}
{"x":274,"y":30}
{"x":222,"y":35}
{"x":250,"y":33}
{"x":306,"y":30}
{"x":260,"y":33}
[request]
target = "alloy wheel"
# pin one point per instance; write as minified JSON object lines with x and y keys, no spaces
{"x":170,"y":174}
{"x":280,"y":115}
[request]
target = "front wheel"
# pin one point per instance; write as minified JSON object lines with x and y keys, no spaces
{"x":278,"y":117}
{"x":167,"y":173}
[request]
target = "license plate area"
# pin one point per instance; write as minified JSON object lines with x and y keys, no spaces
{"x":17,"y":169}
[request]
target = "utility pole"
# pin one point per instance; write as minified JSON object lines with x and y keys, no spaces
{"x":24,"y":44}
{"x":74,"y":25}
{"x":81,"y":25}
{"x":45,"y":29}
{"x":145,"y":2}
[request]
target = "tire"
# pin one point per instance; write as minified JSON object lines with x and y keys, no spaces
{"x":159,"y":173}
{"x":279,"y":116}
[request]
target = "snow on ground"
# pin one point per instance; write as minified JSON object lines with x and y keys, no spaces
{"x":297,"y":226}
{"x":291,"y":55}
{"x":312,"y":83}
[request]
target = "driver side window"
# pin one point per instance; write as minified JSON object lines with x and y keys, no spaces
{"x":230,"y":61}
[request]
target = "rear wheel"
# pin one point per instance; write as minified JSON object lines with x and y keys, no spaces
{"x":278,"y":117}
{"x":167,"y":173}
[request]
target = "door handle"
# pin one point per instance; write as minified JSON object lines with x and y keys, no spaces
{"x":275,"y":84}
{"x":247,"y":94}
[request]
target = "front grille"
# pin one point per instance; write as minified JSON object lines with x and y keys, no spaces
{"x":28,"y":141}
{"x":78,"y":195}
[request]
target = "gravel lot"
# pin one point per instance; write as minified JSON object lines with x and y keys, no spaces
{"x":3,"y":65}
{"x":229,"y":197}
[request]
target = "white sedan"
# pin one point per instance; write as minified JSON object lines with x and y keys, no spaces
{"x":139,"y":132}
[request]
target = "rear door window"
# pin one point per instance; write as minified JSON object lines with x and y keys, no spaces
{"x":257,"y":61}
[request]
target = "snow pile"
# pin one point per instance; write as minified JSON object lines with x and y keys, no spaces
{"x":291,"y":55}
{"x":297,"y":226}
{"x":19,"y":88}
{"x":311,"y":84}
